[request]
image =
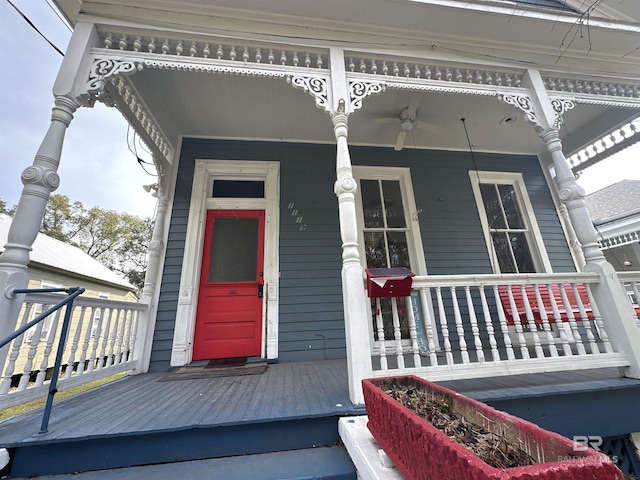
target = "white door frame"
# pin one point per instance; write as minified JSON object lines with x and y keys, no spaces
{"x":204,"y":173}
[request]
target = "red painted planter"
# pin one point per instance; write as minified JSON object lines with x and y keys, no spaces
{"x":421,"y":451}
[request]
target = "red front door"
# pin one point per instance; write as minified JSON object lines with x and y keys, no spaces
{"x":229,"y":315}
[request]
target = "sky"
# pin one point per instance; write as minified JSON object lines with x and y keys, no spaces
{"x":97,"y":165}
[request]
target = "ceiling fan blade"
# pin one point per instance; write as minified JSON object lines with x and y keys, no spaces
{"x":431,"y":127}
{"x":414,"y":103}
{"x":399,"y":141}
{"x":386,"y":120}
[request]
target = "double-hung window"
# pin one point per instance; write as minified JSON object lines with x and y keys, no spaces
{"x":510,"y":229}
{"x":389,"y":237}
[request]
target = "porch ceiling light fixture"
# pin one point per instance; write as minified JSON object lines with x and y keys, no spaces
{"x":152,"y":188}
{"x":508,"y":120}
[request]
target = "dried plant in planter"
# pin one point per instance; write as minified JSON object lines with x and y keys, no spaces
{"x":432,"y":432}
{"x":492,"y":448}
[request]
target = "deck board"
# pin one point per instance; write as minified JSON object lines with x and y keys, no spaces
{"x":294,"y":390}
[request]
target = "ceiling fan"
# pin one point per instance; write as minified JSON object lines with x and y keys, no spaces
{"x":407,"y":120}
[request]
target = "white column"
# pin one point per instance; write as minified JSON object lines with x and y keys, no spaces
{"x":40,"y":179}
{"x":609,"y":293}
{"x":146,"y":322}
{"x":353,"y":292}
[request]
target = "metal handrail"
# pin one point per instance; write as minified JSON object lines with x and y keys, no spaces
{"x":72,"y":293}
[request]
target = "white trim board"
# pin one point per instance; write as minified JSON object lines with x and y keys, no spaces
{"x":204,"y":173}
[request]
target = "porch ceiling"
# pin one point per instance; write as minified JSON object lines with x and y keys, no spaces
{"x":238,"y":107}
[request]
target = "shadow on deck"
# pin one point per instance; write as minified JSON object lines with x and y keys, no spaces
{"x":141,"y":420}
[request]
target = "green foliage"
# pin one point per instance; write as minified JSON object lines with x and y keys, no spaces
{"x":119,"y":241}
{"x":4,"y":209}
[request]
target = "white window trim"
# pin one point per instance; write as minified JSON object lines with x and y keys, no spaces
{"x":414,"y":238}
{"x":201,"y":201}
{"x":534,"y":237}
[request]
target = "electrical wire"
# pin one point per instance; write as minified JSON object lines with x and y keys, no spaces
{"x":26,"y":19}
{"x":55,"y":10}
{"x":493,"y":257}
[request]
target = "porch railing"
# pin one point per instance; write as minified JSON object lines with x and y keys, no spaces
{"x":631,"y":283}
{"x":454,"y":327}
{"x":99,"y":343}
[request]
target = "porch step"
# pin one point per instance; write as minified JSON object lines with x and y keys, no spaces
{"x":101,"y":452}
{"x":330,"y":463}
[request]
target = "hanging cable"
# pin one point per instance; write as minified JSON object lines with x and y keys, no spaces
{"x":55,"y":10}
{"x":35,"y":28}
{"x":492,"y":256}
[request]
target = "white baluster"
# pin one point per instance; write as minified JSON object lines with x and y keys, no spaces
{"x":102,"y":360}
{"x":117,"y":355}
{"x":602,"y":332}
{"x":413,"y":335}
{"x":319,"y":61}
{"x":636,"y":294}
{"x":572,"y":321}
{"x":428,"y":326}
{"x":566,"y":348}
{"x":397,"y":334}
{"x":131,"y":335}
{"x":503,"y":325}
{"x":459,"y":327}
{"x":486,"y":313}
{"x":82,"y":361}
{"x":474,"y":325}
{"x":444,"y":327}
{"x":381,"y":344}
{"x":74,"y":343}
{"x":113,"y":337}
{"x":586,"y":323}
{"x":553,"y":351}
{"x":93,"y":357}
{"x":533,"y":328}
{"x":33,"y":349}
{"x":517,"y":322}
{"x":5,"y":384}
{"x":51,"y":338}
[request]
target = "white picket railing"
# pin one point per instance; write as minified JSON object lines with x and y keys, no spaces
{"x":455,"y":327}
{"x":631,"y":283}
{"x":99,"y":344}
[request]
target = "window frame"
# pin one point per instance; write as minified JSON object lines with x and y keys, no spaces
{"x":532,"y":234}
{"x":414,"y":238}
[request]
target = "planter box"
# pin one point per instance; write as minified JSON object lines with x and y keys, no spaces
{"x":421,"y":451}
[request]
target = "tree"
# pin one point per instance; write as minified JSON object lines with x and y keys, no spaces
{"x":8,"y":211}
{"x":119,"y":241}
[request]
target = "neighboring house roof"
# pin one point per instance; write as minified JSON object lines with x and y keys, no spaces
{"x":61,"y":256}
{"x":615,"y":201}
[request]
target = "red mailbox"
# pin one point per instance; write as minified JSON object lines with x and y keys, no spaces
{"x":389,"y":282}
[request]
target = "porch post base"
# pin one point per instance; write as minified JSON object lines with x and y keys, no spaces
{"x":357,"y":336}
{"x":618,"y":315}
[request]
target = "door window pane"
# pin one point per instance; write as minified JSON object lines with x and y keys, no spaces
{"x":371,"y":203}
{"x":510,"y":205}
{"x":492,"y":207}
{"x":503,"y":252}
{"x":393,"y":206}
{"x":398,"y":249}
{"x":521,"y":252}
{"x":375,"y":249}
{"x":238,"y":189}
{"x":234,"y":250}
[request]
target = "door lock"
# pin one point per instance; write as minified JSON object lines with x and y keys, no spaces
{"x":260,"y":291}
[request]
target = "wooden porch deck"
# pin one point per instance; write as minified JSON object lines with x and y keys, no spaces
{"x":144,"y":403}
{"x":290,"y":406}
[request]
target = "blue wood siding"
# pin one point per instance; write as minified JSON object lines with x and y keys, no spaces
{"x":311,"y":310}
